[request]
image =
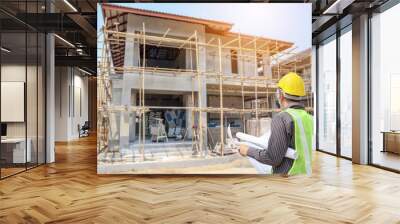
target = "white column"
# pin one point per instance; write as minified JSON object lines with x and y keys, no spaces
{"x":50,"y":99}
{"x":360,"y":90}
{"x":314,"y":91}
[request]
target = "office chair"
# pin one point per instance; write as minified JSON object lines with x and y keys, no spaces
{"x":84,"y":130}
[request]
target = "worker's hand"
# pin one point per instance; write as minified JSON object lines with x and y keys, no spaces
{"x":243,"y":149}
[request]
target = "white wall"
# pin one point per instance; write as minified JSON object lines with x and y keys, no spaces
{"x":33,"y":125}
{"x":62,"y":80}
{"x":71,"y":93}
{"x":14,"y":73}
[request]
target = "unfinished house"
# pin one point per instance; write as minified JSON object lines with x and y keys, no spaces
{"x":301,"y":64}
{"x":170,"y":87}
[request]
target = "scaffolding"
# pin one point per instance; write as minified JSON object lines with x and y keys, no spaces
{"x":251,"y":86}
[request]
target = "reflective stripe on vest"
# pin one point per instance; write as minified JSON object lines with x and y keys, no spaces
{"x":305,"y":147}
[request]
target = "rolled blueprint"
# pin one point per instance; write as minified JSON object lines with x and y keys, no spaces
{"x":262,"y":143}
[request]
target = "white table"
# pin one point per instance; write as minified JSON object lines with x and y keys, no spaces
{"x":18,"y":144}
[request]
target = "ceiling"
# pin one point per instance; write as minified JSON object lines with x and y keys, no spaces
{"x":329,"y":16}
{"x":73,"y":21}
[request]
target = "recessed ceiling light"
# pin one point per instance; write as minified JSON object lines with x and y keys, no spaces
{"x":65,"y":41}
{"x":70,"y":5}
{"x":5,"y":50}
{"x":86,"y":72}
{"x":338,"y":6}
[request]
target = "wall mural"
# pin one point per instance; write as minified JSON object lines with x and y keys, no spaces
{"x":180,"y":94}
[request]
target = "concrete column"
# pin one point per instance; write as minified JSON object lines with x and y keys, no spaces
{"x":187,"y":102}
{"x":203,"y":91}
{"x":314,"y":91}
{"x":360,"y":90}
{"x":50,"y":99}
{"x":62,"y":104}
{"x":132,"y":119}
{"x":267,"y":65}
{"x":204,"y":114}
{"x":128,"y":81}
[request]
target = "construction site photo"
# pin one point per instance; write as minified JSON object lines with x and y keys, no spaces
{"x":175,"y":89}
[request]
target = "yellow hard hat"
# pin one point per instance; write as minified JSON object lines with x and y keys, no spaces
{"x":292,"y":84}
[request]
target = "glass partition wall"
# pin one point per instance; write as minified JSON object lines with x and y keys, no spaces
{"x":334,"y":105}
{"x":385,"y":89}
{"x":334,"y":95}
{"x":345,"y":61}
{"x":22,"y":77}
{"x":327,"y":96}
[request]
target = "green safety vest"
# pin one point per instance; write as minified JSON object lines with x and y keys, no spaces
{"x":303,"y":131}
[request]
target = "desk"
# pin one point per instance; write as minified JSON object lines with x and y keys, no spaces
{"x":16,"y":148}
{"x":391,"y":141}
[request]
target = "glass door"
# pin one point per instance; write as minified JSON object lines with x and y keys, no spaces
{"x":326,"y":105}
{"x":385,"y":90}
{"x":346,"y":93}
{"x":13,"y":103}
{"x":22,"y":68}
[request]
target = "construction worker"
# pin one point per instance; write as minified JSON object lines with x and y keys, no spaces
{"x":292,"y":127}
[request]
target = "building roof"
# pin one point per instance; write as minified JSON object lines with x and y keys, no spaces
{"x":117,"y":16}
{"x":112,"y":10}
{"x":296,"y":62}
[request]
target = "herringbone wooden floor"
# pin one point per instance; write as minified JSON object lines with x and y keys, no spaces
{"x":70,"y":191}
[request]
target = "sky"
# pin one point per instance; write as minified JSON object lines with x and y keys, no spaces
{"x":287,"y":22}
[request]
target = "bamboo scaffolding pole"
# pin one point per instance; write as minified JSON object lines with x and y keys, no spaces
{"x":115,"y":40}
{"x":104,"y":96}
{"x":199,"y":91}
{"x":156,"y":39}
{"x":192,"y":102}
{"x":143,"y":97}
{"x":255,"y":86}
{"x":266,"y":86}
{"x":236,"y":54}
{"x":221,"y":100}
{"x":245,"y":93}
{"x":248,"y":43}
{"x":263,"y":45}
{"x":211,"y":40}
{"x":140,"y":60}
{"x":229,"y":42}
{"x":197,"y":109}
{"x":101,"y":140}
{"x":187,"y":72}
{"x":241,"y":81}
{"x":186,"y":41}
{"x":164,"y":35}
